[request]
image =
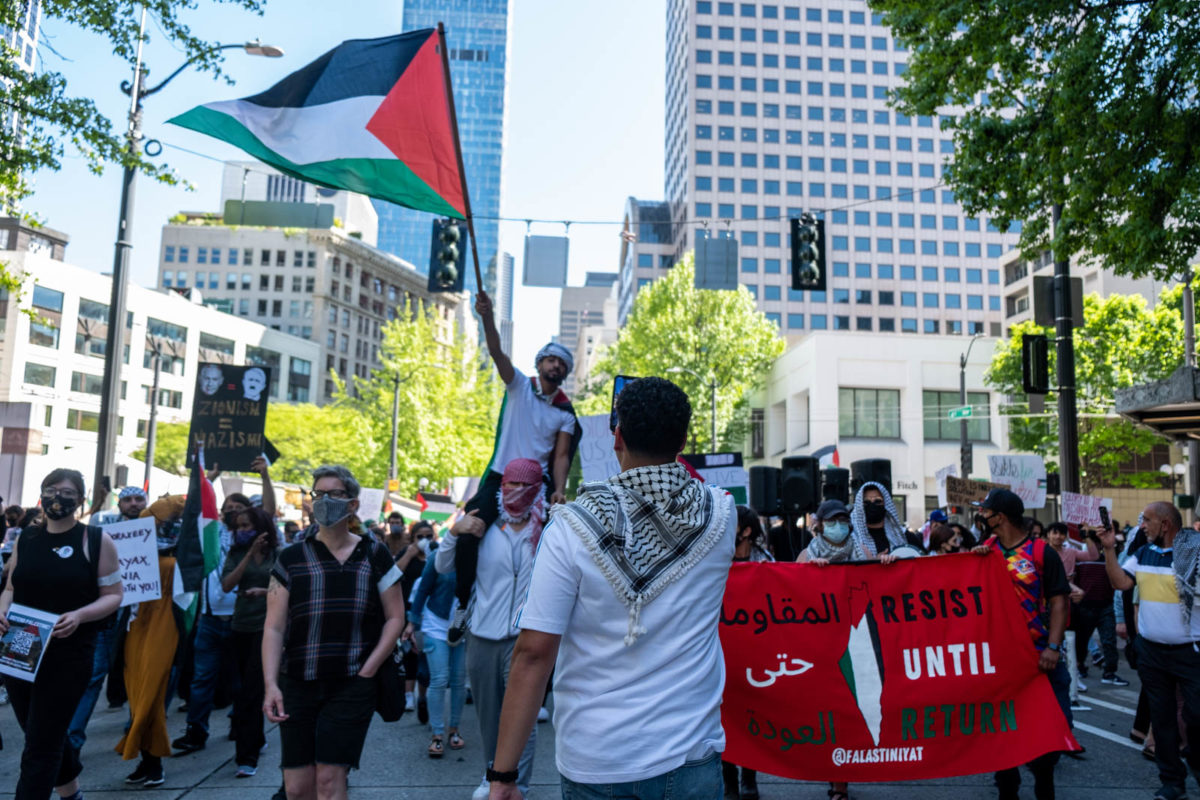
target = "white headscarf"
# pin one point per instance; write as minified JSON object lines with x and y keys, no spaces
{"x":891,"y":523}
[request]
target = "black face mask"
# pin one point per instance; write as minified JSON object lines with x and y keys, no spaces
{"x":59,"y":507}
{"x":874,"y":512}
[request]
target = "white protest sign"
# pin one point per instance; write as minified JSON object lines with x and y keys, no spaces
{"x":137,"y":554}
{"x":370,"y":504}
{"x":1080,"y":509}
{"x":1026,"y":475}
{"x":941,"y":475}
{"x":596,"y":455}
{"x":734,"y":480}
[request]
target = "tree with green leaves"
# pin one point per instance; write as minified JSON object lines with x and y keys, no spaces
{"x":715,"y":334}
{"x":1122,"y":343}
{"x":449,"y":401}
{"x":1089,"y":104}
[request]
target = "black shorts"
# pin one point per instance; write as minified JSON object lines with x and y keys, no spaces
{"x":327,"y":720}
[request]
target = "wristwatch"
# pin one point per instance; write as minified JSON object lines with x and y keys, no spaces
{"x":1055,"y":647}
{"x":501,"y":777}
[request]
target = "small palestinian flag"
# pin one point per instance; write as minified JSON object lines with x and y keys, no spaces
{"x":862,"y":663}
{"x":371,"y":116}
{"x":198,"y":551}
{"x":436,"y":507}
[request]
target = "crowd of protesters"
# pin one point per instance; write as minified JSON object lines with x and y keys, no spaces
{"x":318,"y":624}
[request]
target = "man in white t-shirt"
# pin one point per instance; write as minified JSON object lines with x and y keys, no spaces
{"x":626,"y":590}
{"x":537,"y":421}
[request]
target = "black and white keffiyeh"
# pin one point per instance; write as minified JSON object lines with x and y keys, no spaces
{"x":1186,"y":559}
{"x":645,"y":529}
{"x":892,"y":525}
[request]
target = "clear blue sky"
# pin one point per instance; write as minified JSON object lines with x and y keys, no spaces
{"x":584,"y":128}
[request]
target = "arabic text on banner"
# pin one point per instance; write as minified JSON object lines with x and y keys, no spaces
{"x":915,"y":670}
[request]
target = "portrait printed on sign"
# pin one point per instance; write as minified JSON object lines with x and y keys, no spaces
{"x":229,"y":413}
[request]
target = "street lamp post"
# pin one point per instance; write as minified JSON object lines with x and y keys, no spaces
{"x":712,"y":387}
{"x":1175,"y":473}
{"x":106,"y":436}
{"x":962,"y":401}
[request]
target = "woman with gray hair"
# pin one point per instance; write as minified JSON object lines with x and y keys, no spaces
{"x":334,"y":613}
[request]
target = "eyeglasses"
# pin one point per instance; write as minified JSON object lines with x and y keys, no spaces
{"x":336,"y":494}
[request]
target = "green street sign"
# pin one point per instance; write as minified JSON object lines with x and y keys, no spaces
{"x":961,"y":412}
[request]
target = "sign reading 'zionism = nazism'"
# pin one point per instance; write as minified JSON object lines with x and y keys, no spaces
{"x":229,"y":413}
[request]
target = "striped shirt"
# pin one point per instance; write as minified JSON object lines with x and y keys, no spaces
{"x":1159,"y":617}
{"x":335,"y":617}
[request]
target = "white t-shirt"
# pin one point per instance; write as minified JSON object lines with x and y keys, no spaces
{"x":529,"y":426}
{"x":632,"y":713}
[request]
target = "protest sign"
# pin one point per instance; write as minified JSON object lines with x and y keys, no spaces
{"x":1081,"y":509}
{"x":963,"y":492}
{"x":950,"y":470}
{"x":137,"y":554}
{"x":723,"y":470}
{"x":370,"y":504}
{"x":883,"y":681}
{"x":1025,"y":475}
{"x":229,"y":413}
{"x":25,"y":643}
{"x":596,"y":455}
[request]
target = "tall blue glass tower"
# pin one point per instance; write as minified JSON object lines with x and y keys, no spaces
{"x":477,"y":37}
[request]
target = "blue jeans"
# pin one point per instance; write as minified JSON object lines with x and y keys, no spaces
{"x":695,"y":780}
{"x":213,"y":644}
{"x":106,"y":640}
{"x":447,"y":669}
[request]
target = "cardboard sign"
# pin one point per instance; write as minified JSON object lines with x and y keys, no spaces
{"x":22,"y":648}
{"x":370,"y":504}
{"x":137,"y":553}
{"x":1026,"y":475}
{"x":596,"y":455}
{"x":229,"y":412}
{"x":963,"y":492}
{"x":1081,"y":509}
{"x":950,"y":470}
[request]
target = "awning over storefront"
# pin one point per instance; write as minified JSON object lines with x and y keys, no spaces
{"x":1171,"y":406}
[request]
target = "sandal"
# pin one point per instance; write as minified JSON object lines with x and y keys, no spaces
{"x":456,"y":741}
{"x":835,"y":794}
{"x":435,"y":747}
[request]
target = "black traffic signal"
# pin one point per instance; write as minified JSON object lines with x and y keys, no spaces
{"x":800,"y":485}
{"x":447,"y":256}
{"x":966,"y":457}
{"x":808,"y":253}
{"x":1035,"y":364}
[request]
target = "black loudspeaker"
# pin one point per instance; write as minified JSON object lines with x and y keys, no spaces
{"x":836,"y":484}
{"x":800,"y":485}
{"x":871,"y":470}
{"x":764,"y":491}
{"x":1053,"y":484}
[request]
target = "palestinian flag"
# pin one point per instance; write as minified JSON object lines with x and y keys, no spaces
{"x":198,"y":551}
{"x":371,"y":116}
{"x":436,"y":507}
{"x":862,"y":663}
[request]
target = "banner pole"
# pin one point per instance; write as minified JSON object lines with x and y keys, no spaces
{"x":462,"y":172}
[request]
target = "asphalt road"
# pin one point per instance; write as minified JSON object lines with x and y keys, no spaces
{"x":395,"y":765}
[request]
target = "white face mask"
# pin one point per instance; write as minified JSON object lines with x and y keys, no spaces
{"x":836,"y":532}
{"x":423,"y":545}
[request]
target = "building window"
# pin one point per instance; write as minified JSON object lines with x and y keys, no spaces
{"x":86,"y":382}
{"x":869,"y":413}
{"x":80,"y":420}
{"x":938,"y":426}
{"x":39,"y":374}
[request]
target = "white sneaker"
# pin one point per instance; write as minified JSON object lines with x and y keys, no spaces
{"x":245,"y":771}
{"x":409,"y":703}
{"x":482,"y":791}
{"x":543,"y":715}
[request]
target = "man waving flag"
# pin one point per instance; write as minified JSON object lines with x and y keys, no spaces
{"x":371,"y":116}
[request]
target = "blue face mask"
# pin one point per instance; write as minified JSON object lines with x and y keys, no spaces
{"x":836,"y":532}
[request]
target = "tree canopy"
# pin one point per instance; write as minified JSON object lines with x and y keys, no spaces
{"x":1090,"y":104}
{"x":1122,"y":342}
{"x":719,"y":335}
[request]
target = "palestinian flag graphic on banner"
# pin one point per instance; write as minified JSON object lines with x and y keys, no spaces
{"x":862,"y":663}
{"x":371,"y":116}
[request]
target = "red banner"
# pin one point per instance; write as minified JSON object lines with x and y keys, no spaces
{"x":919,"y":669}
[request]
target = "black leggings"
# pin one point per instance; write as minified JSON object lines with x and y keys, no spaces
{"x":44,"y":710}
{"x":247,"y":704}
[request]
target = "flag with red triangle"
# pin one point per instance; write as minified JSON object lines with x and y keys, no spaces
{"x":371,"y":116}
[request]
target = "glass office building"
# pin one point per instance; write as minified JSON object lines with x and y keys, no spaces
{"x":477,"y":38}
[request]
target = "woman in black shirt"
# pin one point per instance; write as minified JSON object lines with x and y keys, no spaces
{"x":61,"y":567}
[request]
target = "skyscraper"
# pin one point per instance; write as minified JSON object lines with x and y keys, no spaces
{"x":773,"y":109}
{"x":24,"y":41}
{"x":477,"y":40}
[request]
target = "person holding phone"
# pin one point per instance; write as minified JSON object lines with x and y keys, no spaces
{"x":248,"y":571}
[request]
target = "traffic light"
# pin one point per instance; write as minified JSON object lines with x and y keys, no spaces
{"x":808,"y":253}
{"x":966,"y":455}
{"x":1035,"y":364}
{"x":447,"y":257}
